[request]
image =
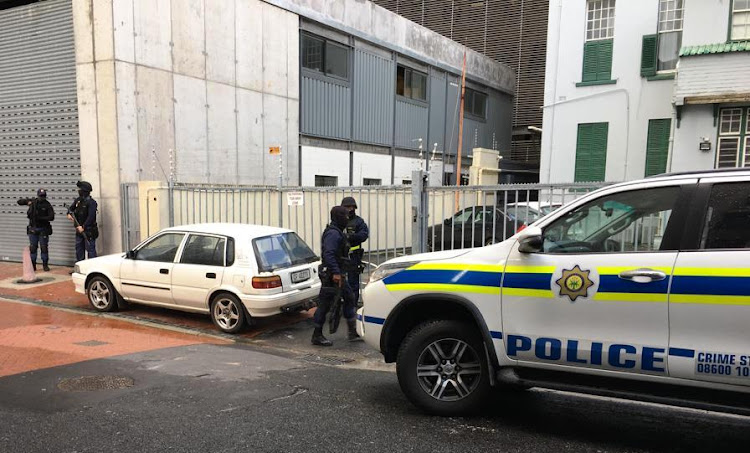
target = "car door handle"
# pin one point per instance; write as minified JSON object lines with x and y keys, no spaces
{"x":210,"y":275}
{"x":164,"y":271}
{"x":643,"y":275}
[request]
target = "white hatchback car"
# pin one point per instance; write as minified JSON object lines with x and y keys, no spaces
{"x":231,"y":271}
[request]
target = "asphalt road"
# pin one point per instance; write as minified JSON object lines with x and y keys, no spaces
{"x":213,"y":398}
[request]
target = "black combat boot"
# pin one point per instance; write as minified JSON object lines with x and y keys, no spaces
{"x":45,"y":266}
{"x":352,"y":324}
{"x":318,"y":339}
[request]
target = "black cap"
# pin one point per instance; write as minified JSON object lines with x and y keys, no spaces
{"x":85,"y":186}
{"x":349,"y":201}
{"x":340,"y":216}
{"x":41,"y":193}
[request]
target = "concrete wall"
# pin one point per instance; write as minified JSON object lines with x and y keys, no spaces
{"x":325,"y":162}
{"x":627,"y":105}
{"x":195,"y":88}
{"x":706,"y":22}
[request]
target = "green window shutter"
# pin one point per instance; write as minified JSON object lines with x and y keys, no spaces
{"x":648,"y":56}
{"x":591,"y":152}
{"x":604,"y":63}
{"x":590,"y":61}
{"x":657,"y":146}
{"x":597,"y":61}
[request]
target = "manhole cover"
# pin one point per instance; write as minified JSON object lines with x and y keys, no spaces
{"x":327,"y":359}
{"x":93,"y":383}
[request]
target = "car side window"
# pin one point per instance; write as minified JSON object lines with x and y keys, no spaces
{"x":204,"y":250}
{"x":162,"y":249}
{"x":631,"y":221}
{"x":727,"y":224}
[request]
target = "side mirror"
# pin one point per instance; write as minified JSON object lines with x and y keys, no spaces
{"x":531,"y":244}
{"x":447,"y":222}
{"x":130,"y":254}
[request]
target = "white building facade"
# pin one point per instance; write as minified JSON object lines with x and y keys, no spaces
{"x":641,"y":87}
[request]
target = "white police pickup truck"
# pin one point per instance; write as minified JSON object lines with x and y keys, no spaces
{"x":640,"y":282}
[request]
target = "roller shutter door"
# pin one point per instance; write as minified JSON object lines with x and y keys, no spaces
{"x":39,"y":145}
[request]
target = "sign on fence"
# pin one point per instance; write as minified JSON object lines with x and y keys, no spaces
{"x":295,"y":198}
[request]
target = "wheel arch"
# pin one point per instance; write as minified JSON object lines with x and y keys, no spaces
{"x":417,"y":309}
{"x":214,"y":293}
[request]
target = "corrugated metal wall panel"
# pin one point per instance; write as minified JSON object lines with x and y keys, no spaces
{"x":411,"y":124}
{"x":373,"y":98}
{"x":437,"y":112}
{"x":39,"y":145}
{"x":326,"y":108}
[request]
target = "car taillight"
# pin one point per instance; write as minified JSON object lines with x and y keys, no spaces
{"x":521,"y":228}
{"x":267,"y":282}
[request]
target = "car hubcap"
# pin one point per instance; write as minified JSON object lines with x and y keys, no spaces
{"x":226,"y":313}
{"x":449,"y":370}
{"x":99,"y":295}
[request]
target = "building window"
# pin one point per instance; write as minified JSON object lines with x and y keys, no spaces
{"x":670,"y":34}
{"x":475,"y":103}
{"x":740,"y":20}
{"x":597,"y":51}
{"x":657,"y":146}
{"x":326,"y":181}
{"x":325,"y":56}
{"x":734,"y":140}
{"x":411,"y":84}
{"x":372,"y":182}
{"x":591,"y":152}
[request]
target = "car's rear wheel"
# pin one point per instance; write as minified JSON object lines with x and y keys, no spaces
{"x":441,"y":368}
{"x":227,"y":313}
{"x":101,"y":294}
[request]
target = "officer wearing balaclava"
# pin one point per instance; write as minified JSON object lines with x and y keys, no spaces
{"x":335,"y":266}
{"x":83,"y":214}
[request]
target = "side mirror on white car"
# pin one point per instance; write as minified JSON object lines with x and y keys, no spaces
{"x":530,"y":240}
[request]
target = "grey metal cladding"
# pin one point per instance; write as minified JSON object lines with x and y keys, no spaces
{"x":374,"y":92}
{"x":437,"y":113}
{"x":326,"y":108}
{"x":411,"y":124}
{"x":39,"y":142}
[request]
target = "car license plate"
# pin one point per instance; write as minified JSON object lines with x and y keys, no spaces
{"x":300,"y":276}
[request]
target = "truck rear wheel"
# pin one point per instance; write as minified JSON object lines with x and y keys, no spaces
{"x":441,"y":368}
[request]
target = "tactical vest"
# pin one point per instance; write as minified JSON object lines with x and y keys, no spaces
{"x":81,"y":209}
{"x":342,"y":251}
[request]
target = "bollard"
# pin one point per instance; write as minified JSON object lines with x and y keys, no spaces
{"x":29,"y":276}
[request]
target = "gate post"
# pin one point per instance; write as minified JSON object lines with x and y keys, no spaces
{"x":418,"y":211}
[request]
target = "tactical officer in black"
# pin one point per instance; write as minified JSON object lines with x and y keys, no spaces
{"x":83,"y":214}
{"x":336,"y":264}
{"x":40,"y":214}
{"x":357,"y":233}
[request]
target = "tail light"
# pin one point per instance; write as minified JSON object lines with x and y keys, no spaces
{"x":521,"y":228}
{"x":267,"y":282}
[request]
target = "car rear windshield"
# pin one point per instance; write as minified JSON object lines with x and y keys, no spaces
{"x":282,"y":250}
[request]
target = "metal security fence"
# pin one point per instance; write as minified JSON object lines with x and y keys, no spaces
{"x":402,"y":219}
{"x":474,"y":216}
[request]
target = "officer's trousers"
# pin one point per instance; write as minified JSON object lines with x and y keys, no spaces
{"x":327,"y":296}
{"x":84,"y":246}
{"x":37,"y":239}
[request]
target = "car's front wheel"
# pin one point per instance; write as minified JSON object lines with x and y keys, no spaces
{"x":101,"y":294}
{"x":227,"y":313}
{"x":441,"y":368}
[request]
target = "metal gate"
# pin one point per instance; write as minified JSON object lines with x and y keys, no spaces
{"x":39,"y":144}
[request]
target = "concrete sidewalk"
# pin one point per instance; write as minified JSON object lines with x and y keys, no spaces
{"x":57,"y":290}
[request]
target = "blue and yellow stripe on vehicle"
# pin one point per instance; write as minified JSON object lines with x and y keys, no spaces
{"x":711,"y":286}
{"x":448,"y":277}
{"x":720,"y":286}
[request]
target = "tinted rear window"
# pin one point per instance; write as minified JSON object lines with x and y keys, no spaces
{"x":282,"y":250}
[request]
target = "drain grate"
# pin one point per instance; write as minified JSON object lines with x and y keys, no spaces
{"x":94,"y":383}
{"x":327,"y":359}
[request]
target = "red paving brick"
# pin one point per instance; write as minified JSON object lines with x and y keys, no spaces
{"x":63,"y":294}
{"x":34,"y":337}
